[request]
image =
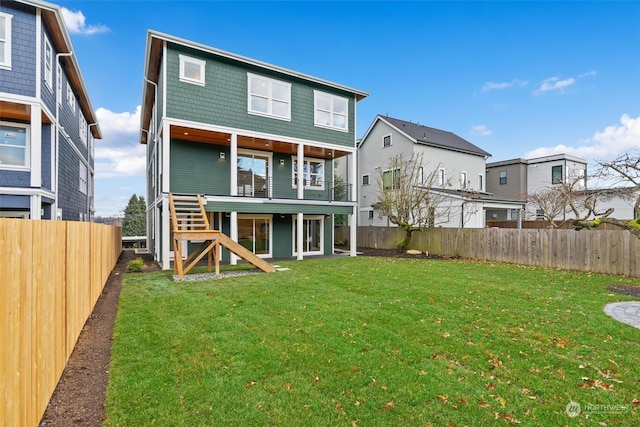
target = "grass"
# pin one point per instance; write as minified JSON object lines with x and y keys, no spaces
{"x":371,"y":341}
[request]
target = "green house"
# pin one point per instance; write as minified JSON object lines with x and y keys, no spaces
{"x":258,"y":141}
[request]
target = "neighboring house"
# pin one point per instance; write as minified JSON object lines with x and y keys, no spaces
{"x":47,"y":123}
{"x":459,"y":165}
{"x":517,"y":178}
{"x":257,"y":140}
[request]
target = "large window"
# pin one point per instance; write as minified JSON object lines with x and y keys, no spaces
{"x":192,"y":70}
{"x":14,"y":146}
{"x":313,"y":173}
{"x":269,"y":97}
{"x":253,"y":174}
{"x":391,"y":178}
{"x":5,"y":40}
{"x":331,"y":111}
{"x":556,"y":174}
{"x":312,"y":233}
{"x":48,"y":64}
{"x":254,"y":233}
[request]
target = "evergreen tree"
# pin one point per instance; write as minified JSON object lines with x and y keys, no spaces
{"x":135,"y":217}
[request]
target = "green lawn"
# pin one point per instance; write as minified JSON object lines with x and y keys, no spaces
{"x":372,"y":341}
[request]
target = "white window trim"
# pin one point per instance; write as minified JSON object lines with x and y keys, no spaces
{"x":269,"y":156}
{"x":48,"y":67}
{"x":294,"y":229}
{"x":7,"y":41}
{"x":331,"y":113}
{"x":464,"y":177}
{"x":269,"y":113}
{"x":199,"y":62}
{"x":390,"y":141}
{"x":442,"y":177}
{"x":71,"y":97}
{"x":393,"y":174}
{"x":82,"y":129}
{"x":27,"y":148}
{"x":480,"y":182}
{"x":307,"y":186}
{"x":83,"y":186}
{"x":269,"y":218}
{"x":368,"y":179}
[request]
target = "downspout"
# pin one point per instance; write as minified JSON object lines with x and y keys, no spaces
{"x":93,"y":190}
{"x":158,"y":167}
{"x":57,"y":138}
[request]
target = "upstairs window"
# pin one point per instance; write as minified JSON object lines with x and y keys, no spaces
{"x":480,"y":182}
{"x":463,"y":180}
{"x":14,"y":146}
{"x":556,"y":174}
{"x":441,"y":177}
{"x":5,"y":40}
{"x":82,"y":128}
{"x":71,"y":98}
{"x":386,"y":141}
{"x":48,"y":64}
{"x":391,"y":179}
{"x":268,"y":97}
{"x":192,"y":70}
{"x":312,"y":172}
{"x":502,"y":175}
{"x":365,"y":179}
{"x":331,"y":111}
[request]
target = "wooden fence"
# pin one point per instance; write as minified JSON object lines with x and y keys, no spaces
{"x":611,"y":252}
{"x":52,"y":274}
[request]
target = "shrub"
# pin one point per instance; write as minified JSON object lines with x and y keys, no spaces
{"x":135,"y":266}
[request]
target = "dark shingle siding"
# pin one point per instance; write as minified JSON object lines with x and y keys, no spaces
{"x":437,"y":137}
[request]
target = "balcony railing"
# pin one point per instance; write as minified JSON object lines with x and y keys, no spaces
{"x":269,"y":188}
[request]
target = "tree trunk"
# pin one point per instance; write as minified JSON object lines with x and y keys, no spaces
{"x":404,"y":243}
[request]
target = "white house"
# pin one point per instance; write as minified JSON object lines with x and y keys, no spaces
{"x":458,"y":164}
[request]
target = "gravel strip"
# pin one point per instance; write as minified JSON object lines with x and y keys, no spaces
{"x":212,"y":275}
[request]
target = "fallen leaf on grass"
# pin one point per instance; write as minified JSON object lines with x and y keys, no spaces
{"x":483,"y":404}
{"x":250,"y":384}
{"x":443,"y":398}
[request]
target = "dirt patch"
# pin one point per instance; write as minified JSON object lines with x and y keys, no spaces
{"x":395,"y":253}
{"x":632,"y":291}
{"x":78,"y":399}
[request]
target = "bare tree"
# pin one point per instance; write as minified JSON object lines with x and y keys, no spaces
{"x":623,"y":174}
{"x":551,"y":202}
{"x":406,"y":195}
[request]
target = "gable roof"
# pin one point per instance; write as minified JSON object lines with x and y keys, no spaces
{"x":153,"y":52}
{"x":52,"y":18}
{"x":421,"y":134}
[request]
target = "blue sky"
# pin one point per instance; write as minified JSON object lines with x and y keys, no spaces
{"x":518,"y":79}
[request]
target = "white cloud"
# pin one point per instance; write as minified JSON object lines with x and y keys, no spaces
{"x":555,"y":84}
{"x":504,"y":85}
{"x":480,"y":130}
{"x":604,"y":144}
{"x":75,"y":22}
{"x":589,"y":74}
{"x":119,"y":153}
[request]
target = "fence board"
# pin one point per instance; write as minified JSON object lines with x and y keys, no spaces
{"x":602,"y":251}
{"x":48,"y":289}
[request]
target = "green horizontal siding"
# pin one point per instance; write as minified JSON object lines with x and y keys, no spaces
{"x":223,"y":100}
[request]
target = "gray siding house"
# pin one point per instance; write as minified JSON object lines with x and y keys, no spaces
{"x":258,"y":141}
{"x":47,"y":123}
{"x":459,"y":165}
{"x":516,"y":178}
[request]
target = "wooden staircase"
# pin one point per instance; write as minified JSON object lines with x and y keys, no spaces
{"x":189,"y":222}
